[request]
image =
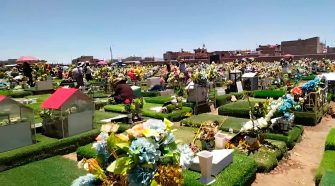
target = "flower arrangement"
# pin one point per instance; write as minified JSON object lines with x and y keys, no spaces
{"x":311,"y":85}
{"x":146,"y":154}
{"x":206,"y":135}
{"x":200,"y":77}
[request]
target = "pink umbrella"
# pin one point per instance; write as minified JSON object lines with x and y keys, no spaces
{"x":28,"y":59}
{"x":102,"y":62}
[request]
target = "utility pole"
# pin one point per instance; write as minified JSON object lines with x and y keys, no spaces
{"x":110,"y":49}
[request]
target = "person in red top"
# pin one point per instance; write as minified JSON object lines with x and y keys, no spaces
{"x":122,"y":92}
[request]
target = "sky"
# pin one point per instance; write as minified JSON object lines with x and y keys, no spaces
{"x":61,"y":30}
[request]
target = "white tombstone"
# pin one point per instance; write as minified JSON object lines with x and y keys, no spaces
{"x":153,"y":81}
{"x":221,"y":159}
{"x":239,"y":86}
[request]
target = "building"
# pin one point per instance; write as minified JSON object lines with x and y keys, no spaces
{"x":90,"y":59}
{"x":201,"y":53}
{"x":132,"y":58}
{"x":302,"y":46}
{"x":182,"y":55}
{"x":330,"y":50}
{"x":269,"y":50}
{"x":8,"y":62}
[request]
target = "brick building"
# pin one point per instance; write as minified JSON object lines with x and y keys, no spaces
{"x":269,"y":50}
{"x":169,"y":55}
{"x":90,"y":59}
{"x":330,"y":50}
{"x":302,"y":46}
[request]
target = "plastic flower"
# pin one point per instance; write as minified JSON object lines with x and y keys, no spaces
{"x":141,"y":176}
{"x":136,"y":131}
{"x":262,"y":123}
{"x":296,"y":91}
{"x":186,"y":156}
{"x":101,"y":149}
{"x":146,"y":150}
{"x":154,"y":127}
{"x":109,"y":127}
{"x":170,"y":138}
{"x":87,"y":180}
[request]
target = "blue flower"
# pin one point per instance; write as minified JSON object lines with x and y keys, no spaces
{"x":87,"y":180}
{"x":141,"y":176}
{"x":146,"y":150}
{"x":186,"y":155}
{"x":101,"y":149}
{"x":155,"y":125}
{"x":170,"y":138}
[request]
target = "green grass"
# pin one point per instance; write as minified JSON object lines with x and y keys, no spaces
{"x":327,"y":164}
{"x":330,"y":140}
{"x":269,"y":93}
{"x":100,"y":115}
{"x":158,"y":99}
{"x":290,"y":139}
{"x":307,"y":78}
{"x":239,"y":108}
{"x":328,"y":179}
{"x":307,"y":118}
{"x":36,"y":106}
{"x":239,"y":173}
{"x":267,"y":158}
{"x":227,"y":122}
{"x":15,"y":93}
{"x":53,"y":171}
{"x":174,"y":116}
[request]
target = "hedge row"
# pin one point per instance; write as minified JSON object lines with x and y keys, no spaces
{"x":307,"y":118}
{"x":328,"y":179}
{"x":267,"y":159}
{"x":307,"y":78}
{"x":86,"y":151}
{"x":269,"y":93}
{"x":173,"y":116}
{"x":158,"y":99}
{"x":290,"y":139}
{"x":242,"y":171}
{"x":16,"y":93}
{"x":150,"y":94}
{"x":330,"y":140}
{"x":41,"y":150}
{"x":327,"y":164}
{"x":226,"y":98}
{"x":237,"y":109}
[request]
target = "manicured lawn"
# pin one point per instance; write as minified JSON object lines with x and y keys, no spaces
{"x":330,"y":141}
{"x":241,"y":172}
{"x":36,"y":106}
{"x":327,"y":164}
{"x":290,"y":139}
{"x":53,"y":171}
{"x":239,"y":108}
{"x":227,"y":122}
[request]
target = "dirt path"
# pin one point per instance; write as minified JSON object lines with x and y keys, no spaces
{"x":299,"y":168}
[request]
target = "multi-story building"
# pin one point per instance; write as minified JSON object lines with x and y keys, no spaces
{"x":8,"y":62}
{"x":302,"y":46}
{"x":90,"y":59}
{"x":182,"y":55}
{"x":269,"y":50}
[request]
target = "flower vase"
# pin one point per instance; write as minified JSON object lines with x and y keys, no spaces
{"x":220,"y":140}
{"x":207,"y":144}
{"x":250,"y":140}
{"x":205,"y":161}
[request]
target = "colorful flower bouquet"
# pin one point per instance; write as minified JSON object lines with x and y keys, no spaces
{"x":144,"y":155}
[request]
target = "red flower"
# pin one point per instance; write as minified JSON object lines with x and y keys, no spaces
{"x":127,"y":101}
{"x":296,"y":91}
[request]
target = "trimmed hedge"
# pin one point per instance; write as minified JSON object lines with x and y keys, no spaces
{"x":290,"y":139}
{"x":16,"y":93}
{"x":86,"y":151}
{"x":158,"y":99}
{"x":307,"y":78}
{"x":328,"y":179}
{"x":173,"y":116}
{"x":237,"y":109}
{"x":307,"y":118}
{"x":267,"y":159}
{"x":41,"y":150}
{"x":226,"y":98}
{"x":330,"y":140}
{"x":269,"y":93}
{"x":150,"y":94}
{"x":327,"y":164}
{"x":242,"y":171}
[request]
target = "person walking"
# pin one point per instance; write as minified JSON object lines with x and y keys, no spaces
{"x":77,"y":74}
{"x":27,"y":71}
{"x":88,"y":72}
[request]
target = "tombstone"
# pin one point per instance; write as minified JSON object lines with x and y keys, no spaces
{"x":239,"y":86}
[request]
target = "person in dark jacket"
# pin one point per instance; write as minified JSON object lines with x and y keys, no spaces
{"x":122,"y":92}
{"x":27,"y":71}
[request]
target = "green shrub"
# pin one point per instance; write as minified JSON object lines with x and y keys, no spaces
{"x":38,"y":151}
{"x":16,"y":93}
{"x":307,"y":118}
{"x":269,"y":93}
{"x":158,"y":99}
{"x":267,"y":159}
{"x":237,"y":109}
{"x":86,"y":151}
{"x":328,"y":179}
{"x":307,"y":78}
{"x":225,"y":99}
{"x":176,"y":115}
{"x":290,"y":139}
{"x":242,"y":171}
{"x":150,"y":94}
{"x":330,"y":140}
{"x":327,"y":164}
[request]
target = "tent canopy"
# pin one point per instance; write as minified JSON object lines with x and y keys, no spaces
{"x":2,"y":98}
{"x":28,"y":59}
{"x":102,"y":62}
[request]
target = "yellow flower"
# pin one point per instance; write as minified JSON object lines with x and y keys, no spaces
{"x":123,"y":137}
{"x":149,"y":133}
{"x":111,"y":127}
{"x":168,"y":124}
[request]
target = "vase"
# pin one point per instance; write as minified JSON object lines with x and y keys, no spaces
{"x":207,"y":144}
{"x":220,"y":140}
{"x":205,"y":161}
{"x":250,"y":140}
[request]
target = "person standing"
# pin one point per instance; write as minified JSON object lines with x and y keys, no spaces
{"x":88,"y":71}
{"x":77,"y":74}
{"x":27,"y":71}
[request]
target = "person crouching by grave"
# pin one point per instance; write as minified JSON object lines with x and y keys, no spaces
{"x":123,"y":94}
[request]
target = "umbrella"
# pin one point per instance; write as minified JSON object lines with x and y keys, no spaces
{"x":102,"y":62}
{"x":28,"y":59}
{"x":288,"y":55}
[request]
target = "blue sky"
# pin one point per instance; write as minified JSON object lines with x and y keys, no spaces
{"x":59,"y":30}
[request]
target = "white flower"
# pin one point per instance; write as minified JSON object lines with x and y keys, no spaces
{"x":262,"y":123}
